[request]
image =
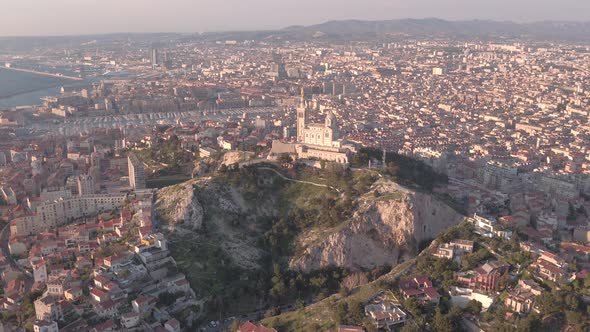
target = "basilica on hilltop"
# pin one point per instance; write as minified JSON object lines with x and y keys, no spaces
{"x":314,"y":140}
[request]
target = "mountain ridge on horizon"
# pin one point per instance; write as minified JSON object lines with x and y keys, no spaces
{"x":317,"y":25}
{"x":550,"y":30}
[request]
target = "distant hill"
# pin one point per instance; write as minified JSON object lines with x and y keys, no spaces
{"x":429,"y":27}
{"x":332,"y":30}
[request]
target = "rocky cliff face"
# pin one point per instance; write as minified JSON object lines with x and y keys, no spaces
{"x":385,"y":225}
{"x":177,"y":206}
{"x":207,"y":211}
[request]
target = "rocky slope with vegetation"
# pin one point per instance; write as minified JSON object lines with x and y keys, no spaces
{"x":178,"y":206}
{"x":297,"y":240}
{"x":390,"y":221}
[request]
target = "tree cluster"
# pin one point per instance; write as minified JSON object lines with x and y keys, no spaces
{"x":407,"y":170}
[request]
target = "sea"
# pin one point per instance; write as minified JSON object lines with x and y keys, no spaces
{"x":21,"y":88}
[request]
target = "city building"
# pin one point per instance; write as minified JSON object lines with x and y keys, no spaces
{"x":250,"y":327}
{"x":48,"y":308}
{"x":314,"y":140}
{"x":136,"y":172}
{"x":61,"y":211}
{"x":154,"y":57}
{"x":45,"y":326}
{"x":454,"y":249}
{"x":385,"y":314}
{"x":85,"y":184}
{"x":485,"y":277}
{"x":419,"y":288}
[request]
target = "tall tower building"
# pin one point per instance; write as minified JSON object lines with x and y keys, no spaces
{"x":39,"y":270}
{"x":85,"y":185}
{"x":301,"y":117}
{"x":331,"y":124}
{"x":136,"y":172}
{"x":279,"y":67}
{"x":154,"y":57}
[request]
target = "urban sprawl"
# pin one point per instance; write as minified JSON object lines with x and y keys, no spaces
{"x":81,"y":244}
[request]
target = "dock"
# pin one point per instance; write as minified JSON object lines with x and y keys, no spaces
{"x":43,"y":73}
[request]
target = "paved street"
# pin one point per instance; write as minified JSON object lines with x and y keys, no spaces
{"x":4,"y":237}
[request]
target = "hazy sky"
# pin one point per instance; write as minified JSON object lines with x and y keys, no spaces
{"x":59,"y":17}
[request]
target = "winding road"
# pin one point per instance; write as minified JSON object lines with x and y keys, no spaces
{"x":300,"y":181}
{"x":4,"y":237}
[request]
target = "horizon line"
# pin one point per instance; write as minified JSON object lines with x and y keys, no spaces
{"x":90,"y":34}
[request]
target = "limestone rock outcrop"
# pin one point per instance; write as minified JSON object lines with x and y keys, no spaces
{"x":178,"y":206}
{"x":389,"y":222}
{"x":380,"y":230}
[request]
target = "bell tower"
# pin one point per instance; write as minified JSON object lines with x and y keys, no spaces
{"x":301,"y":117}
{"x":331,"y":125}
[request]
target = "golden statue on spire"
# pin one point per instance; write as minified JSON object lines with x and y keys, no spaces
{"x":302,"y":101}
